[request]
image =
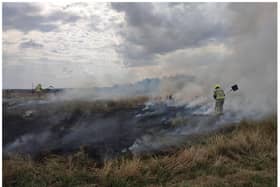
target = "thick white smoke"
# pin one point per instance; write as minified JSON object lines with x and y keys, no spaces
{"x":251,"y":62}
{"x":254,"y":60}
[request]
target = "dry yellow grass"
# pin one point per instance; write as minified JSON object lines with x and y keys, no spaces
{"x":121,"y":168}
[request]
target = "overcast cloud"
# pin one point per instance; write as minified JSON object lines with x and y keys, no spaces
{"x":27,"y":17}
{"x":161,"y":28}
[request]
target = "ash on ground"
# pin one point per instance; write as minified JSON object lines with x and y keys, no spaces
{"x":106,"y":128}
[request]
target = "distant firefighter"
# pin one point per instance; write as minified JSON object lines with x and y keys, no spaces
{"x":219,"y":96}
{"x":38,"y":89}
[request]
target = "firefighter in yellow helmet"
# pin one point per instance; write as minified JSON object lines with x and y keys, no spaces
{"x":219,"y":96}
{"x":38,"y":89}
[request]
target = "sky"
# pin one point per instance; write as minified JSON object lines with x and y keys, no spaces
{"x":101,"y":44}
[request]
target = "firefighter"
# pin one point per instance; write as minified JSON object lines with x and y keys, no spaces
{"x":219,"y":96}
{"x":38,"y":90}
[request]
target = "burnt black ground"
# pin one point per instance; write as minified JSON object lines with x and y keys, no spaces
{"x":38,"y":127}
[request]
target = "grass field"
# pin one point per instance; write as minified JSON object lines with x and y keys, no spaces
{"x":246,"y":156}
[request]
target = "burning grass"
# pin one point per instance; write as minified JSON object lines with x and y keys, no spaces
{"x":245,"y":156}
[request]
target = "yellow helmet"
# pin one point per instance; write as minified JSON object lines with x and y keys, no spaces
{"x":217,"y":86}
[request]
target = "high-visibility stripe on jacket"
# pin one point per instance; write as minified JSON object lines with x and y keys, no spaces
{"x":38,"y":88}
{"x":219,"y":93}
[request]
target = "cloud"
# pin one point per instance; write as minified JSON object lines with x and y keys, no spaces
{"x":31,"y":44}
{"x":27,"y":17}
{"x":138,"y":14}
{"x":160,"y":28}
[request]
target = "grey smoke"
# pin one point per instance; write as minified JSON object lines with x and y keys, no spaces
{"x":107,"y":134}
